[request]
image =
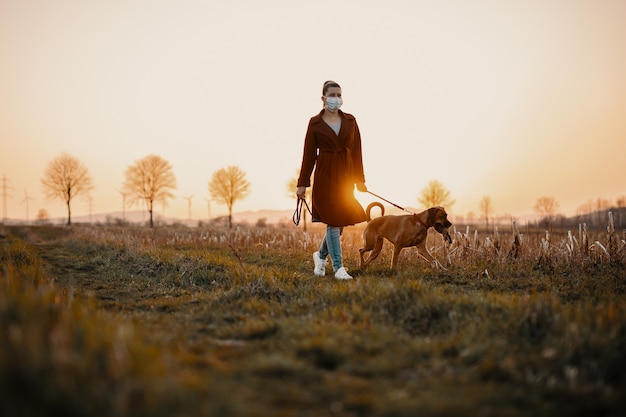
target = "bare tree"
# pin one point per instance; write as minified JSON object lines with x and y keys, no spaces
{"x":602,"y":205}
{"x":547,"y":207}
{"x":486,"y":209}
{"x":42,"y":216}
{"x":435,"y":194}
{"x":65,"y":178}
{"x":291,"y":191}
{"x":150,"y":180}
{"x":227,"y":186}
{"x":586,"y":208}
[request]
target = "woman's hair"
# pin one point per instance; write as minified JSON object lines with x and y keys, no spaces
{"x":328,"y":84}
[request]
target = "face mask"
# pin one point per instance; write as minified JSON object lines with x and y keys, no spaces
{"x":333,"y":103}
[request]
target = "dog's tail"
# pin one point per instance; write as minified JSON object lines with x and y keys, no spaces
{"x":372,"y":205}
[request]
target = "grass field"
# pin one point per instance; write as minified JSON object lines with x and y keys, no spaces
{"x":114,"y":321}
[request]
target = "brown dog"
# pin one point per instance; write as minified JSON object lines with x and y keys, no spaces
{"x":403,"y":231}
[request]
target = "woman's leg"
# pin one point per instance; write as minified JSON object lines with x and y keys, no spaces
{"x":319,"y":259}
{"x":332,"y":245}
{"x":323,"y":252}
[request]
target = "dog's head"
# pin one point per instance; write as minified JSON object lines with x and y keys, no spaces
{"x":438,"y":218}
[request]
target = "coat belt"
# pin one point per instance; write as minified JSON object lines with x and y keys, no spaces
{"x":334,"y":151}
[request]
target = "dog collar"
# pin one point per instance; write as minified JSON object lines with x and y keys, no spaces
{"x":420,"y":221}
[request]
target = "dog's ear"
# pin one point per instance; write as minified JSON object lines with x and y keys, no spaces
{"x":432,"y":215}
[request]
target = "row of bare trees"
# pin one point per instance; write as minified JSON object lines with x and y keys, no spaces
{"x":544,"y":206}
{"x":149,"y":180}
{"x":593,"y":214}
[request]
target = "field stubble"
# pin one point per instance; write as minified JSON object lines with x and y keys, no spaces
{"x":176,"y":321}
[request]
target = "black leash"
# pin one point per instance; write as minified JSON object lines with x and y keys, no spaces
{"x":387,"y":201}
{"x":297,"y":215}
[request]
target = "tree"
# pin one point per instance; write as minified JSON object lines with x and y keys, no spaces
{"x":42,"y":217}
{"x":65,"y":178}
{"x":150,"y":180}
{"x":435,"y":194}
{"x":546,"y":207}
{"x":485,"y":209}
{"x":228,"y":185}
{"x":292,"y":185}
{"x":586,"y":208}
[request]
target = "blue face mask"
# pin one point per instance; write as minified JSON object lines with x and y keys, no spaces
{"x":333,"y":103}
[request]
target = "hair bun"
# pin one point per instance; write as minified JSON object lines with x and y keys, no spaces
{"x":328,"y":84}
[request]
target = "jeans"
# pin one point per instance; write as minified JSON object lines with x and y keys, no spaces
{"x":332,"y":245}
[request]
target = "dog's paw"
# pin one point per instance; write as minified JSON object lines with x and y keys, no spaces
{"x":437,"y":265}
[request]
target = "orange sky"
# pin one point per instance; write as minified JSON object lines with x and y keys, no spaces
{"x":514,"y":100}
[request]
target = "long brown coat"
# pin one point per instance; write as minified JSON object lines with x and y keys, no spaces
{"x":338,"y":166}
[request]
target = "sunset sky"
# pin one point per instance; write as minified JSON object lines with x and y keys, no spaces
{"x":514,"y":100}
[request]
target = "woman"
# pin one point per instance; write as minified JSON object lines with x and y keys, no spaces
{"x":333,"y":146}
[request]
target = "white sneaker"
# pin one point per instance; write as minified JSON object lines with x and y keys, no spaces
{"x":342,"y":274}
{"x":320,"y":265}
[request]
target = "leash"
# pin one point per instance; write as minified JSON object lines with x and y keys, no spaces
{"x":387,"y":201}
{"x":297,"y":215}
{"x":420,"y":221}
{"x":301,"y":203}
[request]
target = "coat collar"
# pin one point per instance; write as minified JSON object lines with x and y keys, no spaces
{"x":318,"y":117}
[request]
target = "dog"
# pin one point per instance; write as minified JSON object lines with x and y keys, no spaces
{"x":403,"y":231}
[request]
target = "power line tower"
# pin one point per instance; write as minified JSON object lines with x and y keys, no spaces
{"x":208,"y":201}
{"x":26,"y":200}
{"x":5,"y":194}
{"x":189,"y":206}
{"x":90,"y":202}
{"x":123,"y":194}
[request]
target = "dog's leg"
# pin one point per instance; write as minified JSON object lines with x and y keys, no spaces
{"x":362,"y":256}
{"x":365,"y":261}
{"x":396,"y":253}
{"x":378,"y":246}
{"x":423,"y":252}
{"x":367,"y":246}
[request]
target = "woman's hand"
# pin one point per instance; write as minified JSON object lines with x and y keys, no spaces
{"x":361,"y":187}
{"x":300,"y":191}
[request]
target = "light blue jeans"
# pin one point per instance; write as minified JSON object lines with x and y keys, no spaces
{"x":332,"y":245}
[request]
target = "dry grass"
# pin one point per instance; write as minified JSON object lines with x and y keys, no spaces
{"x":176,"y":321}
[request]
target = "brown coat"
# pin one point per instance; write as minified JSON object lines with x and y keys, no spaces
{"x":338,"y":166}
